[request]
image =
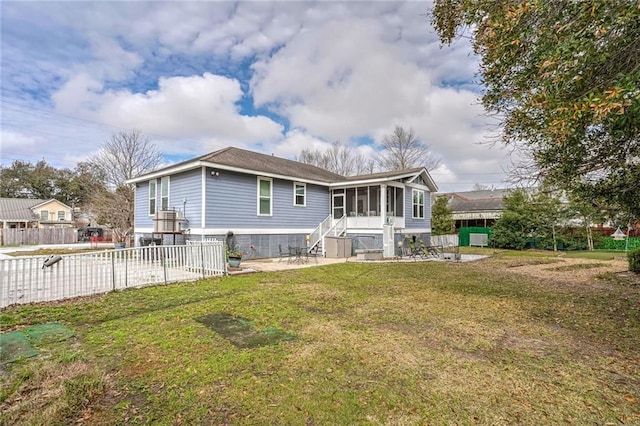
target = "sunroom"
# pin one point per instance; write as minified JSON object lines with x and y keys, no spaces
{"x":369,"y":206}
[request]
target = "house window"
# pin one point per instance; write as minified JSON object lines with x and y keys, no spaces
{"x":44,"y":214}
{"x":61,"y":215}
{"x":299,"y":194}
{"x":265,"y":194}
{"x":152,"y":197}
{"x":164,"y":193}
{"x":418,"y":204}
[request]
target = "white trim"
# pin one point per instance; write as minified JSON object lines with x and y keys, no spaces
{"x":155,"y":198}
{"x":200,"y":163}
{"x":270,"y":180}
{"x":203,"y":197}
{"x":168,"y":180}
{"x":276,"y":231}
{"x":413,"y":204}
{"x":415,"y":231}
{"x":246,"y":231}
{"x":295,"y":194}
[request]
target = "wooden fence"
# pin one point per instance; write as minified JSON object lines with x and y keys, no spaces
{"x":37,"y":236}
{"x":39,"y":278}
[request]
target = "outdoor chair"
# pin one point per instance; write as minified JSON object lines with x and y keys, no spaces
{"x":284,"y":253}
{"x":429,"y":251}
{"x":314,"y":253}
{"x":415,"y":251}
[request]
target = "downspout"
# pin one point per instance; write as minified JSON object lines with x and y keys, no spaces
{"x":203,"y":199}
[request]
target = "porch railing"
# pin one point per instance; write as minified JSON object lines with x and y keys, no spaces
{"x":318,"y":234}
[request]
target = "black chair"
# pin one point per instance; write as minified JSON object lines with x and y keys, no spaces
{"x":284,"y":253}
{"x":314,"y":252}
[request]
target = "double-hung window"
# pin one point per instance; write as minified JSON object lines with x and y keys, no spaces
{"x":61,"y":215}
{"x":152,"y":196}
{"x":265,"y":196}
{"x":418,"y":204}
{"x":44,"y":214}
{"x":299,"y":194}
{"x":164,"y":193}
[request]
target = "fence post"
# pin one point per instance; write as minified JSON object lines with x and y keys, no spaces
{"x":113,"y":269}
{"x":202,"y":259}
{"x":164,"y":262}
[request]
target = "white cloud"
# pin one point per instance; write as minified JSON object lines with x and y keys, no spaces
{"x":340,"y":81}
{"x":180,"y":71}
{"x":181,"y":107}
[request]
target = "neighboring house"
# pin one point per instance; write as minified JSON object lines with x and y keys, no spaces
{"x":267,"y":202}
{"x":476,"y":208}
{"x":34,"y":213}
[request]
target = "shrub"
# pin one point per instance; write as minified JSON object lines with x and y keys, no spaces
{"x":634,"y":260}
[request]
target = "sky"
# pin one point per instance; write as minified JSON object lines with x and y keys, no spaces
{"x":272,"y":77}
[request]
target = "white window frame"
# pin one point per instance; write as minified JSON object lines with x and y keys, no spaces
{"x":44,"y":215}
{"x":258,"y":196}
{"x":296,"y":185}
{"x":164,"y":199}
{"x":418,"y":204}
{"x":62,"y":215}
{"x":153,"y":196}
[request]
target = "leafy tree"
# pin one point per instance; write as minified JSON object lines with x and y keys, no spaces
{"x":516,"y":224}
{"x":549,"y":213}
{"x":125,"y":156}
{"x":564,"y":79}
{"x":403,"y":150}
{"x":442,"y":222}
{"x":43,"y":181}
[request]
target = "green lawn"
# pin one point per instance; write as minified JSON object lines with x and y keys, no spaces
{"x":399,"y":343}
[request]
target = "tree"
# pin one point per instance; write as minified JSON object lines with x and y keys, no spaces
{"x":339,"y":158}
{"x":550,"y":213}
{"x":125,"y":156}
{"x":114,"y":208}
{"x":516,"y":224}
{"x":442,"y":222}
{"x":403,"y":150}
{"x":43,"y":181}
{"x":563,"y":77}
{"x":479,"y":187}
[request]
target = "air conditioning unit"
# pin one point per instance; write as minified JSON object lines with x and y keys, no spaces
{"x":167,"y":221}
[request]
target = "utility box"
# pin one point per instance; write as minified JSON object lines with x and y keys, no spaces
{"x":337,"y":247}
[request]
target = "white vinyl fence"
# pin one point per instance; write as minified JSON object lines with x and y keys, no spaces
{"x":28,"y":279}
{"x":450,"y":240}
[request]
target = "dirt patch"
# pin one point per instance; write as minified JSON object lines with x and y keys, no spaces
{"x":566,"y":270}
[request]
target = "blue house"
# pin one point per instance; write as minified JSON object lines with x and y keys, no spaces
{"x":270,"y":202}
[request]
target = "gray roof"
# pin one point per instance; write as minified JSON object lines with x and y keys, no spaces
{"x":382,"y":175}
{"x":243,"y":159}
{"x":18,"y":209}
{"x":254,"y":162}
{"x":472,"y":201}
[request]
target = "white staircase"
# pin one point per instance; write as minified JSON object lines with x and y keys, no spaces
{"x":325,"y":228}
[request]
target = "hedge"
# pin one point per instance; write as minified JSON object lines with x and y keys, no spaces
{"x":608,"y":243}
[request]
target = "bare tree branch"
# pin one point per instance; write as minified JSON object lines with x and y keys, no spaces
{"x":403,"y":150}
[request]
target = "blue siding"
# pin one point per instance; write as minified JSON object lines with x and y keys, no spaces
{"x":232,"y":203}
{"x":409,"y":221}
{"x":183,"y":185}
{"x":187,"y":186}
{"x":141,"y":216}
